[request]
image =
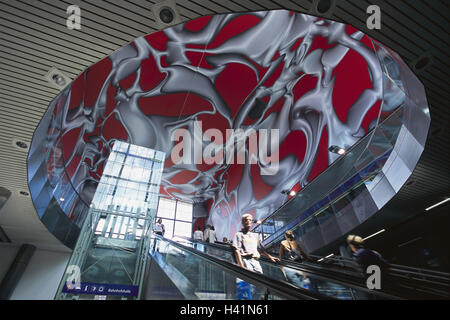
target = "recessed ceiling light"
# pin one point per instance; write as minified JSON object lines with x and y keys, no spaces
{"x":166,"y":13}
{"x":57,"y":78}
{"x":20,"y":144}
{"x":422,"y":62}
{"x":324,"y":7}
{"x":436,"y":131}
{"x":374,"y":234}
{"x":437,"y":204}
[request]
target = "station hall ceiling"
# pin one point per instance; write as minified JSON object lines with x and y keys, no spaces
{"x":34,"y":38}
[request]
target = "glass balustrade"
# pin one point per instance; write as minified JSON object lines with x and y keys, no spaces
{"x":201,"y":279}
{"x":211,"y":283}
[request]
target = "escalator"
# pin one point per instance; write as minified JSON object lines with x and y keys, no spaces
{"x":191,"y":270}
{"x":403,"y":281}
{"x":180,"y":271}
{"x":201,"y":268}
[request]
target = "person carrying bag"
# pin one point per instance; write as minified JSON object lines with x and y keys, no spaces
{"x":291,"y":249}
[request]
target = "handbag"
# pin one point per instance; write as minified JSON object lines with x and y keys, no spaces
{"x":293,"y":254}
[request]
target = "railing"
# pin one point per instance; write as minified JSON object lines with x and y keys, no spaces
{"x":311,"y":200}
{"x":163,"y":249}
{"x":407,"y":282}
{"x":327,"y":284}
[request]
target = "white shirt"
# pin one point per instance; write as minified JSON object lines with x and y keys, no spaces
{"x":210,"y":235}
{"x":198,"y":235}
{"x":158,"y":227}
{"x":248,"y":244}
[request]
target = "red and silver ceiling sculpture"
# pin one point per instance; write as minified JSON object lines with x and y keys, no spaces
{"x":317,"y":82}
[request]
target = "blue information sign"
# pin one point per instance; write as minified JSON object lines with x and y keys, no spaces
{"x":105,"y":289}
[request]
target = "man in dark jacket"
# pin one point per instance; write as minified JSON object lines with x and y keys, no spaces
{"x":366,"y":257}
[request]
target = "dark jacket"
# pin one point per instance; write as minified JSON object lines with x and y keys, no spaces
{"x":367,"y":257}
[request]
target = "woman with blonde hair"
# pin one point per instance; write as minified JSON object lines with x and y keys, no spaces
{"x":291,"y":249}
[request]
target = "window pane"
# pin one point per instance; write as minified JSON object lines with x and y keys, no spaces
{"x":183,"y":229}
{"x":184,"y":211}
{"x":157,"y":166}
{"x":166,"y":208}
{"x":119,"y":158}
{"x":108,"y":168}
{"x":136,"y":174}
{"x":139,"y":162}
{"x":112,"y":157}
{"x":153,"y":188}
{"x":125,"y":172}
{"x":168,"y":226}
{"x":129,"y":160}
{"x":133,"y":149}
{"x":148,"y":164}
{"x":120,"y":146}
{"x":159,"y":155}
{"x":145,"y":175}
{"x":152,"y":201}
{"x":156,"y":177}
{"x":132,"y":186}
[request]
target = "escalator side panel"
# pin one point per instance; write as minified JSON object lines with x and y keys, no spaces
{"x":159,"y":286}
{"x":198,"y":275}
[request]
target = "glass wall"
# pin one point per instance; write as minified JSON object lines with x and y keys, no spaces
{"x":111,"y":251}
{"x":176,"y":216}
{"x":130,"y":179}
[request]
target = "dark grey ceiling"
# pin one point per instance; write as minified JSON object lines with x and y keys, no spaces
{"x":34,"y":38}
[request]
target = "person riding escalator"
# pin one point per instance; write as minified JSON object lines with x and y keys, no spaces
{"x":247,"y":247}
{"x":290,"y":249}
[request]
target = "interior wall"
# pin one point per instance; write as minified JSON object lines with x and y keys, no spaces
{"x":42,"y":275}
{"x":421,"y":241}
{"x":8,"y":252}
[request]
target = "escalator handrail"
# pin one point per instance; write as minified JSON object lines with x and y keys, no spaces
{"x":401,"y":275}
{"x":285,"y":289}
{"x":392,"y":267}
{"x":352,"y":282}
{"x":396,"y":267}
{"x":355,"y":281}
{"x":351,"y":278}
